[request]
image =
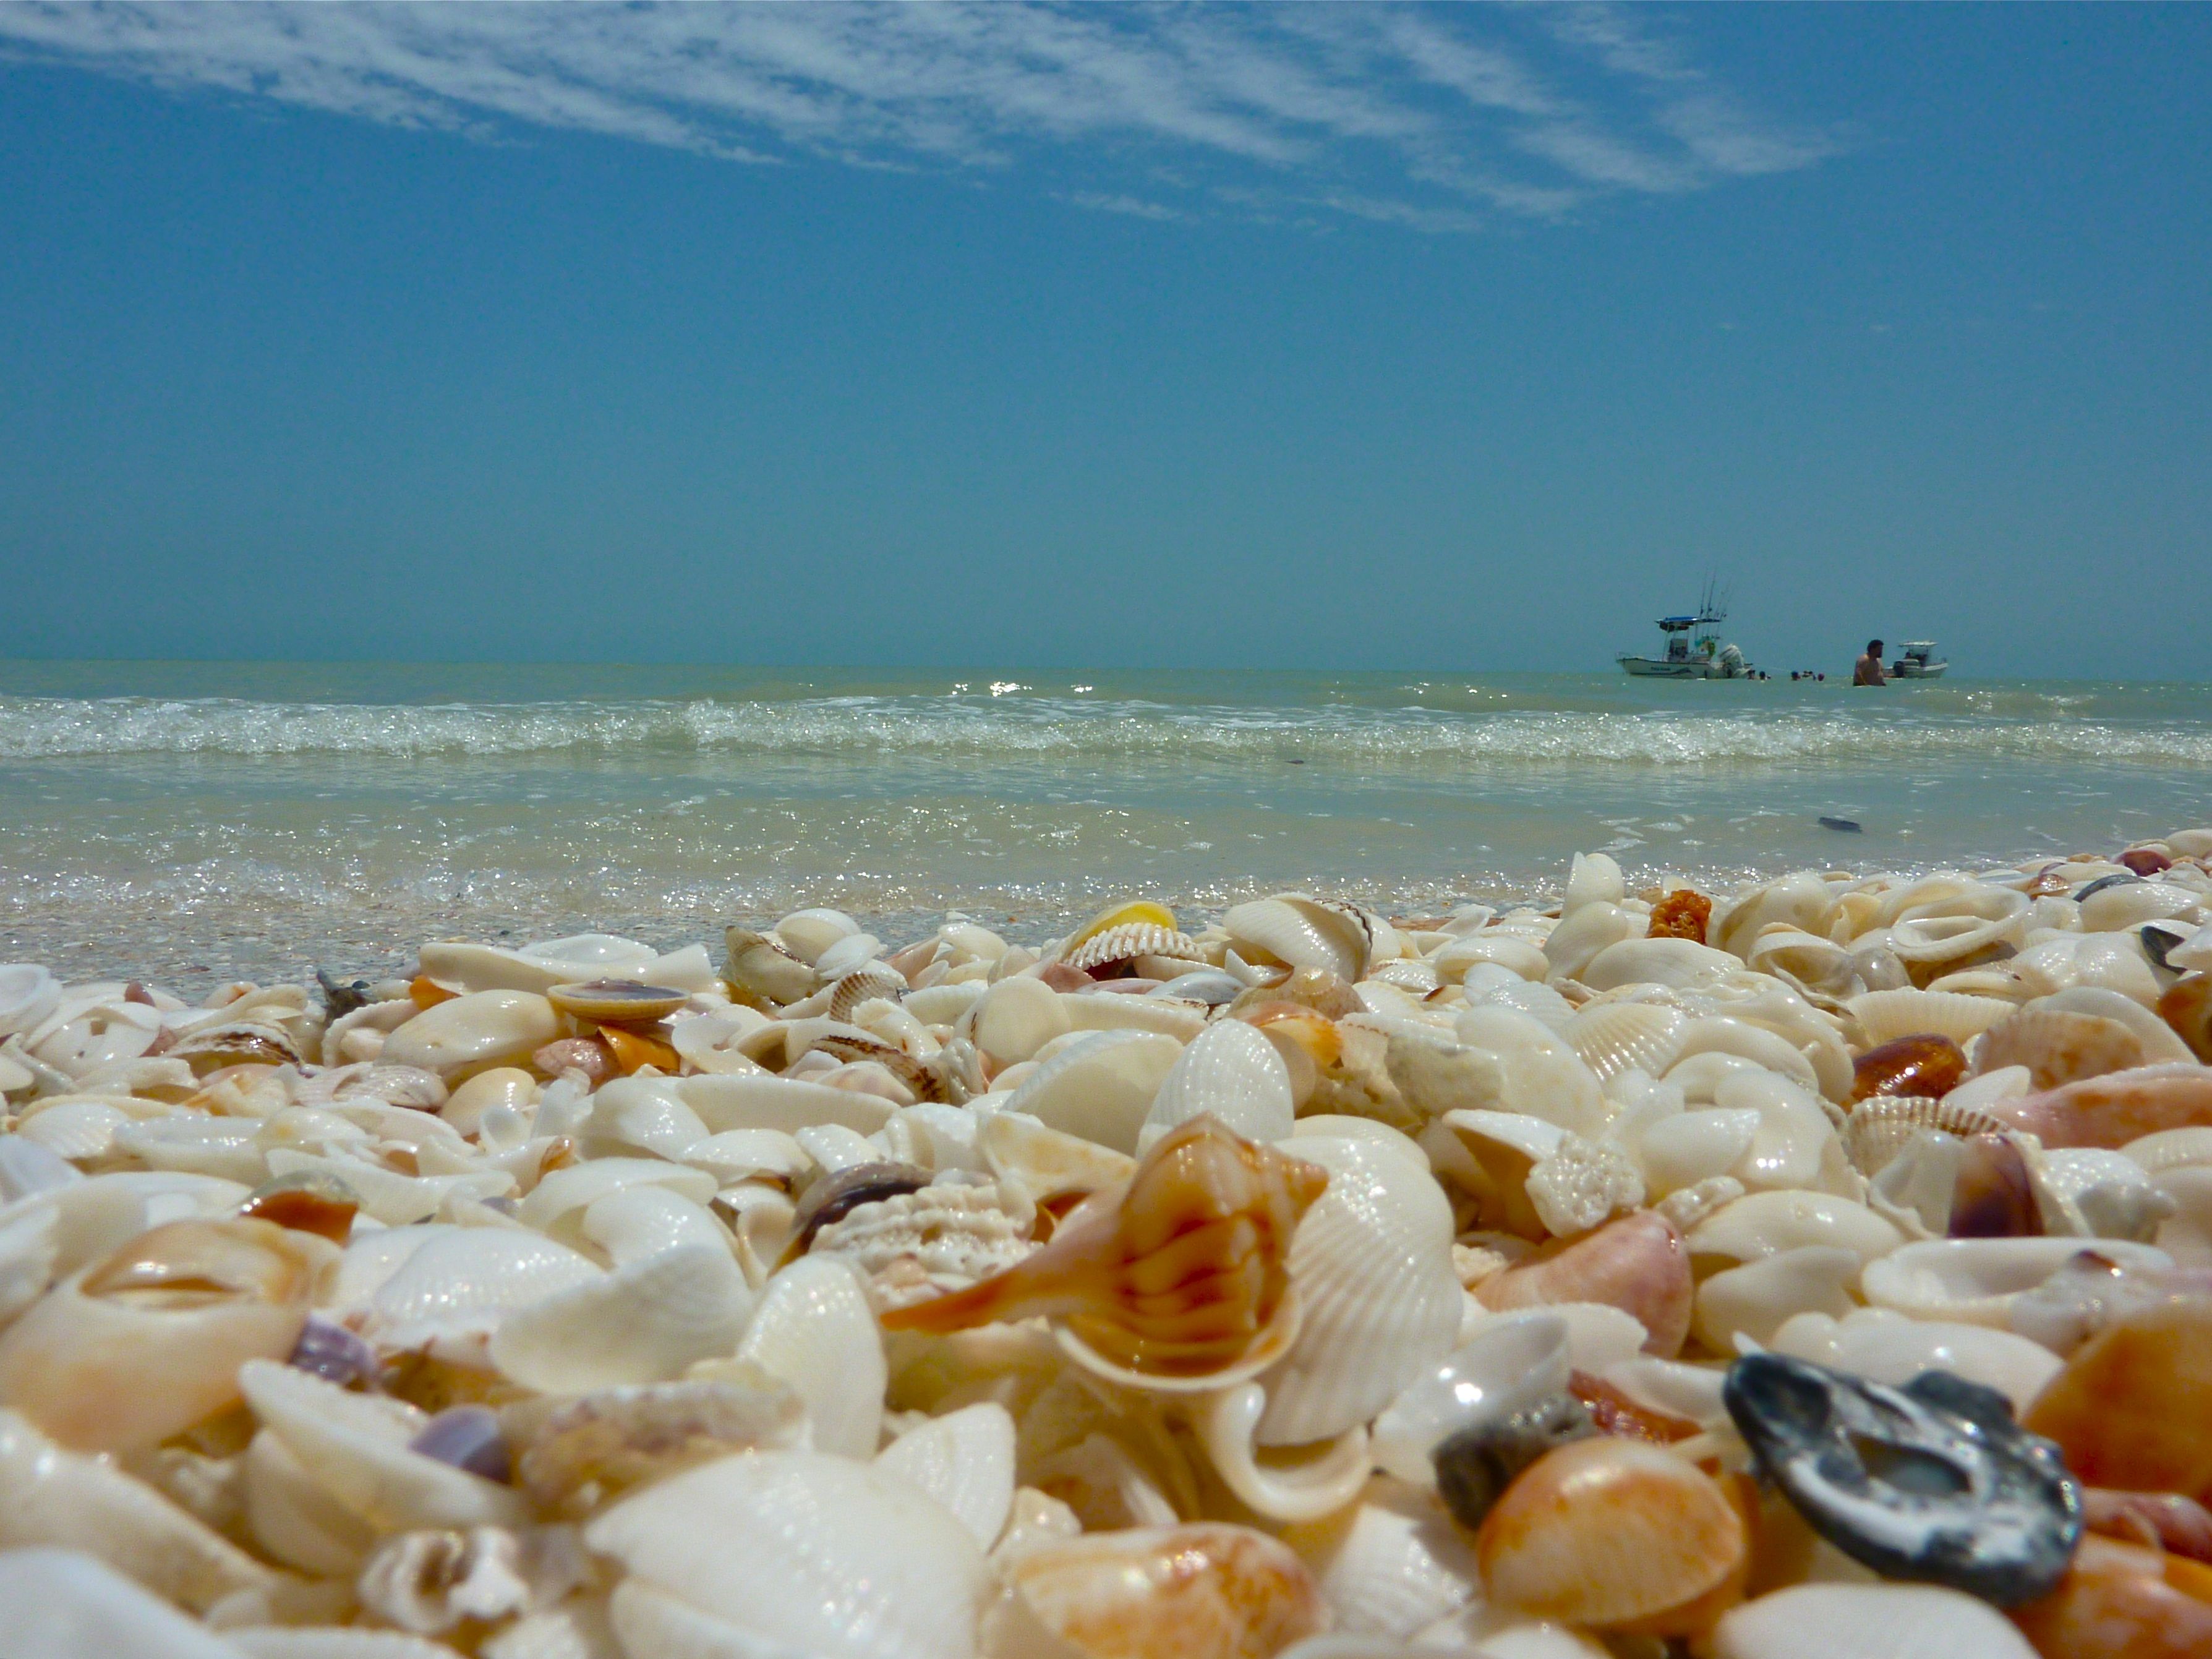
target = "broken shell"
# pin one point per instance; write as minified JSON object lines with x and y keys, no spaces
{"x":759,"y":968}
{"x":1931,"y":1482}
{"x":1747,"y":1304}
{"x":940,"y":1238}
{"x":466,"y":1033}
{"x":1180,"y":1280}
{"x":1510,"y":1362}
{"x":1170,"y":1593}
{"x":1637,"y":1264}
{"x":1612,"y":1534}
{"x":1474,"y":1466}
{"x":591,"y":1450}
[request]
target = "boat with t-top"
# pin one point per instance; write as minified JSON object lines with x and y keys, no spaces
{"x":1917,"y":661}
{"x":1694,"y":650}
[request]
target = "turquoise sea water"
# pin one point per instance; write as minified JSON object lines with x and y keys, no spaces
{"x":175,"y":818}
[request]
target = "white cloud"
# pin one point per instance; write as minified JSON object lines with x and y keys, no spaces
{"x":1435,"y":120}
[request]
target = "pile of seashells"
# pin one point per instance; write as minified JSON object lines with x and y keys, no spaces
{"x":1823,"y":1271}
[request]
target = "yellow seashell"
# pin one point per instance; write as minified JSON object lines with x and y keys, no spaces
{"x":1124,"y":913}
{"x":1182,"y":1276}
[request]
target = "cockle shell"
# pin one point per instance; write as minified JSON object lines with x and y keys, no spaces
{"x":791,"y":1553}
{"x":1637,"y":1264}
{"x":941,"y":1237}
{"x":1880,"y":1128}
{"x":641,"y":1323}
{"x":1885,"y":1015}
{"x":1100,"y":1086}
{"x":2059,"y":1047}
{"x":1303,"y":932}
{"x":1232,"y":1071}
{"x":814,"y":1330}
{"x":189,"y":1302}
{"x":1388,"y":1567}
{"x":1181,"y":1280}
{"x":1615,"y":1534}
{"x":1372,"y":1262}
{"x":1204,"y":1591}
{"x":964,"y":1461}
{"x":1612,"y":1037}
{"x":1112,"y":947}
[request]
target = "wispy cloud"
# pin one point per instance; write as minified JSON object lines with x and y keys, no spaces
{"x":1439,"y":119}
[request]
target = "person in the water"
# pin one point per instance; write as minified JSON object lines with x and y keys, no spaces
{"x":1868,"y":671}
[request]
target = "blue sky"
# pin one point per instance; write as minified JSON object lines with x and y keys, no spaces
{"x":1423,"y":337}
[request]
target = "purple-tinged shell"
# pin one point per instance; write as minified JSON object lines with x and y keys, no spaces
{"x":468,"y":1437}
{"x":335,"y":1354}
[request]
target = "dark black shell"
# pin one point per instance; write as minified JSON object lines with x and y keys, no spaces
{"x":1932,"y":1482}
{"x":1475,"y":1466}
{"x":2102,"y":882}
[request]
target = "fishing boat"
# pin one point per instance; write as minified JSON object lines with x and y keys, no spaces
{"x":1694,"y":650}
{"x":1917,"y":661}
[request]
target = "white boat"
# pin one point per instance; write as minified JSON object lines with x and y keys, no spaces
{"x":1917,"y":661}
{"x":1695,"y":651}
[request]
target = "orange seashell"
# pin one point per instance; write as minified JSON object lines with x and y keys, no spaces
{"x":2133,"y":1407}
{"x":2187,"y":1007}
{"x":426,"y":993}
{"x":1637,"y":1264}
{"x":2158,"y":1520}
{"x":635,"y":1050}
{"x":1615,"y":1534}
{"x":1183,"y":1273}
{"x":1202,"y":1591}
{"x":1681,"y":914}
{"x":2123,"y":1602}
{"x":1927,"y":1065}
{"x":1613,"y":1412}
{"x":2111,"y":1111}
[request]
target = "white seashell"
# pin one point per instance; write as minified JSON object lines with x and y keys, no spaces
{"x":1598,"y":1335}
{"x":2059,"y":1046}
{"x":2098,"y":1193}
{"x":2171,"y":1149}
{"x":1099,"y":1011}
{"x":756,"y":1101}
{"x":1484,"y":1630}
{"x":633,"y":1224}
{"x":2161,"y":1045}
{"x":193,"y":1141}
{"x":65,"y":1500}
{"x":814,"y":1329}
{"x":1335,"y":1126}
{"x":714,"y":1042}
{"x":1542,"y":1075}
{"x":451,"y":1292}
{"x":1372,"y":1262}
{"x":1389,"y":1565}
{"x":1100,"y":1086}
{"x":1126,"y":942}
{"x":1582,"y":934}
{"x":1434,"y":1075}
{"x":557,"y":1202}
{"x":832,"y":1147}
{"x":1592,"y":878}
{"x":355,"y":1448}
{"x":964,"y":1461}
{"x":331,"y":1642}
{"x":1796,"y":1146}
{"x":1581,"y":1184}
{"x":1682,"y":1150}
{"x":63,"y":1604}
{"x":29,"y":995}
{"x":1614,"y":1037}
{"x":2131,"y":903}
{"x":1303,"y":932}
{"x":1044,"y":1162}
{"x":641,"y":1323}
{"x":1882,"y":1126}
{"x":1232,"y":1072}
{"x":1512,"y":951}
{"x":1867,"y":1621}
{"x":1767,"y":1223}
{"x":738,"y":1155}
{"x":1722,"y":1034}
{"x":483,"y":1028}
{"x":81,"y":1131}
{"x":86,"y":1033}
{"x":1510,"y":1362}
{"x":914,"y":1247}
{"x":1975,"y":1281}
{"x":633,"y":1114}
{"x":1753,"y":1300}
{"x":1885,"y":1015}
{"x":807,"y":933}
{"x":293,"y":1519}
{"x":853,"y":951}
{"x":1531,"y":997}
{"x":1889,"y":1347}
{"x":1681,"y":963}
{"x":1803,"y":901}
{"x":1671,"y":1387}
{"x":782,"y":1553}
{"x":30,"y":1248}
{"x":1807,"y":962}
{"x":1016,"y":1018}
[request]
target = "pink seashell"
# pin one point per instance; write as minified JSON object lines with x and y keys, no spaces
{"x":2111,"y":1111}
{"x":1637,"y":1264}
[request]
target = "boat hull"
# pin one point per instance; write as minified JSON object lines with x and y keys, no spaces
{"x":1912,"y":670}
{"x":1661,"y":668}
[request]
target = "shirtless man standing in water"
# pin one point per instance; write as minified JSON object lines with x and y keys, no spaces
{"x":1868,"y":669}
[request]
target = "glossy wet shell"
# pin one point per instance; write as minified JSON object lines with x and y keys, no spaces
{"x":617,"y":999}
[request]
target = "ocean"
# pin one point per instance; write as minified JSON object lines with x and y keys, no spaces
{"x":192,"y":821}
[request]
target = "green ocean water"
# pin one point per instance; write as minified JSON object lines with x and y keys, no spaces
{"x":190,"y":819}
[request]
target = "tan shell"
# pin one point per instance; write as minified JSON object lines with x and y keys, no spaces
{"x":2059,"y":1046}
{"x":860,"y":986}
{"x":1884,"y":1016}
{"x":1124,"y":943}
{"x":1880,"y":1128}
{"x":624,"y":1001}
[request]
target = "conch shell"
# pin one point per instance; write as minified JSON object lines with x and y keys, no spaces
{"x":1180,"y":1279}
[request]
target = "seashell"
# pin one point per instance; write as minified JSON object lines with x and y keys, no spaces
{"x":940,"y":1238}
{"x":1683,"y":1150}
{"x":28,"y":996}
{"x":1509,"y":1363}
{"x":2122,"y":1599}
{"x":2130,"y":1407}
{"x":1612,"y":1037}
{"x":2164,"y":1521}
{"x":871,"y":982}
{"x":189,"y":1302}
{"x":452,"y":1291}
{"x":1295,"y":1483}
{"x":1767,"y":1224}
{"x":848,"y":955}
{"x":1867,"y":1621}
{"x":1100,"y":1086}
{"x":1764,"y":1049}
{"x":1388,"y":1567}
{"x":244,"y":1042}
{"x":1099,"y":1012}
{"x":1931,"y":1482}
{"x":1110,"y":951}
{"x":1794,"y":1145}
{"x":1170,"y":1593}
{"x":431,"y":1583}
{"x":1474,"y":1466}
{"x":1489,"y":1155}
{"x":1044,"y":1162}
{"x":86,"y":1033}
{"x":1637,"y":1264}
{"x":1680,"y":963}
{"x":1614,"y":1534}
{"x":837,"y":1194}
{"x":2097,"y":1193}
{"x":81,"y":1131}
{"x":1887,"y":1347}
{"x":1803,"y":901}
{"x":1582,"y":1183}
{"x":1302,"y":932}
{"x":1544,"y":1005}
{"x":2187,"y":1006}
{"x":588,"y":1451}
{"x":1975,"y":1281}
{"x":1232,"y":1071}
{"x":2160,"y":1045}
{"x":792,"y":1552}
{"x":633,"y":1224}
{"x":357,"y":1448}
{"x":1542,"y":1075}
{"x":557,"y":1203}
{"x":635,"y":1114}
{"x":1885,"y":1015}
{"x":1746,"y":1305}
{"x":814,"y":1330}
{"x":2111,"y":1111}
{"x":483,"y":1029}
{"x":2058,"y":1046}
{"x":61,"y":1603}
{"x":1925,"y":1065}
{"x":1208,"y":1215}
{"x":1813,"y":965}
{"x":86,"y":1505}
{"x":641,"y":1323}
{"x":1373,"y":1268}
{"x":2130,"y":903}
{"x":1512,"y":951}
{"x":1571,"y":946}
{"x":1882,"y":1127}
{"x":964,"y":1461}
{"x":807,"y":933}
{"x":759,"y":969}
{"x":1592,"y":878}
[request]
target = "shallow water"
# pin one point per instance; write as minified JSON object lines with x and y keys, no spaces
{"x":191,"y":820}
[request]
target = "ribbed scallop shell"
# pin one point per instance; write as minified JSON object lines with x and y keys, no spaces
{"x":1231,"y":1071}
{"x":1126,"y":941}
{"x":1886,"y":1015}
{"x":1612,"y":1037}
{"x":1304,"y":931}
{"x":863,"y":983}
{"x":2059,"y":1046}
{"x":1372,"y":1265}
{"x":1880,"y":1129}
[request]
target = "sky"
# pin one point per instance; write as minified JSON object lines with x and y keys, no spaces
{"x":1376,"y":336}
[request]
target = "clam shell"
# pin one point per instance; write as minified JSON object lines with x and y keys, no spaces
{"x":1865,"y":1621}
{"x":807,"y":933}
{"x":792,"y":1552}
{"x":1125,"y":942}
{"x":1681,"y":963}
{"x":1889,"y":1347}
{"x":1636,"y":1265}
{"x":963,"y":1461}
{"x":61,"y":1602}
{"x":484,"y":1028}
{"x":2059,"y":1046}
{"x":1974,"y":1281}
{"x":1885,"y":1015}
{"x":28,"y":994}
{"x":1373,"y":1268}
{"x":1880,"y":1129}
{"x":1750,"y":1303}
{"x":1232,"y":1071}
{"x":451,"y":1292}
{"x":1390,"y":1566}
{"x":848,"y":955}
{"x":1612,"y":1037}
{"x":641,"y":1323}
{"x":756,"y":1100}
{"x":814,"y":1329}
{"x":1100,"y":1087}
{"x":1766,"y":1223}
{"x":627,"y":1001}
{"x":557,"y":1202}
{"x":1303,"y":932}
{"x":1513,"y":951}
{"x":1569,"y":947}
